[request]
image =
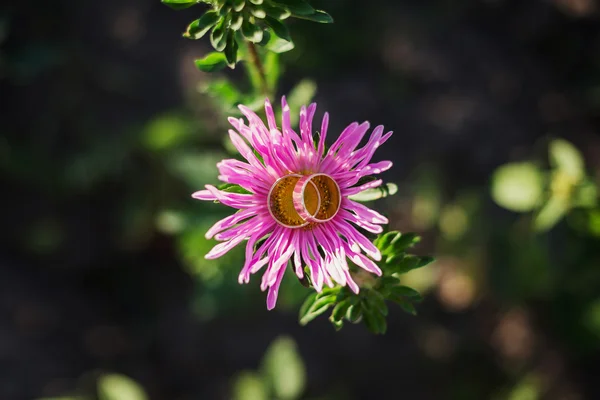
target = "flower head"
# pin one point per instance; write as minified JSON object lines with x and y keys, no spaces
{"x":297,"y":207}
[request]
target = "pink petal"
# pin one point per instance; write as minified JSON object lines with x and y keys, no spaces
{"x":222,"y":248}
{"x":361,"y":188}
{"x":364,"y":212}
{"x":230,"y":221}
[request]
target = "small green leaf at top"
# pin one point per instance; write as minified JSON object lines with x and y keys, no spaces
{"x":252,"y":32}
{"x":319,"y":16}
{"x":296,"y":7}
{"x":277,"y":44}
{"x":279,"y":13}
{"x":179,"y":4}
{"x":231,"y":50}
{"x":280,"y":29}
{"x":218,"y":36}
{"x":214,"y":61}
{"x":238,"y":5}
{"x":199,"y":27}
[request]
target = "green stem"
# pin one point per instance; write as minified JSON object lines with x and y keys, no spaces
{"x":255,"y":59}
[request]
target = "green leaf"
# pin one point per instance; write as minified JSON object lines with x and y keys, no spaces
{"x":279,"y":13}
{"x":337,"y":324}
{"x":277,"y":44}
{"x":389,"y":281}
{"x":233,"y":188}
{"x":265,"y":39}
{"x":218,"y":39}
{"x":238,"y":5}
{"x":566,"y":158}
{"x":296,"y":7}
{"x":375,"y":322}
{"x":280,"y":29}
{"x":406,"y":291}
{"x":231,"y":50}
{"x":518,"y":186}
{"x":322,"y":303}
{"x":339,"y":311}
{"x":354,"y":313}
{"x":407,"y":263}
{"x":179,"y":4}
{"x":394,"y":243}
{"x":257,"y":2}
{"x":377,"y":302}
{"x":319,"y":16}
{"x":405,"y":304}
{"x":258,"y":12}
{"x":224,"y":9}
{"x":252,"y":32}
{"x":199,"y":27}
{"x":310,"y":300}
{"x":383,"y":241}
{"x":119,"y":387}
{"x":402,"y":242}
{"x":386,"y":190}
{"x":284,"y":369}
{"x":212,"y":62}
{"x":236,"y":22}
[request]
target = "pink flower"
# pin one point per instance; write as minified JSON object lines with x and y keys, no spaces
{"x":299,"y":200}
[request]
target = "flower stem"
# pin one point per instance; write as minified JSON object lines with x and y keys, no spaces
{"x":255,"y":59}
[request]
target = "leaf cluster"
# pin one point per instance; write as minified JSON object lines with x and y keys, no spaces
{"x":231,"y":22}
{"x":370,"y":305}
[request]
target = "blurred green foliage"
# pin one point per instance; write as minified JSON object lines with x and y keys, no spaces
{"x":282,"y":374}
{"x":550,"y":194}
{"x":119,"y":387}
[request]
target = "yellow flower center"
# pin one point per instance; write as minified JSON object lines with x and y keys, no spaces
{"x":300,"y":200}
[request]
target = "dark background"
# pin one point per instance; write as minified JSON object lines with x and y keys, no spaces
{"x":104,"y":135}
